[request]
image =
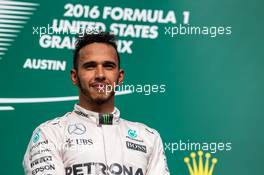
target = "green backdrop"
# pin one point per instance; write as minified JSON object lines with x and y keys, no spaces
{"x":214,"y":85}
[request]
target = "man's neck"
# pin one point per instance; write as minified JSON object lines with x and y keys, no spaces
{"x":106,"y":107}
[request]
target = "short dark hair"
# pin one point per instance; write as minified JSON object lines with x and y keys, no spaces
{"x":89,"y":38}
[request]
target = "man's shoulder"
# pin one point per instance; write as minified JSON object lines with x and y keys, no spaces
{"x":56,"y":123}
{"x":50,"y":130}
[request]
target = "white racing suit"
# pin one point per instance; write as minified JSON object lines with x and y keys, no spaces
{"x":83,"y":142}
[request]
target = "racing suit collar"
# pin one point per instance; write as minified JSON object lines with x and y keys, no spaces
{"x":98,"y":118}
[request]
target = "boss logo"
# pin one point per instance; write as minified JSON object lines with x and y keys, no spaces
{"x":136,"y":147}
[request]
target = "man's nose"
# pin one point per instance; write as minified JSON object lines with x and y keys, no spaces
{"x":99,"y":74}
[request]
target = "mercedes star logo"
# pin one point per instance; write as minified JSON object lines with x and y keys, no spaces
{"x":77,"y":128}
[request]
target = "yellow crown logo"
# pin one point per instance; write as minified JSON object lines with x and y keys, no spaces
{"x":200,"y":169}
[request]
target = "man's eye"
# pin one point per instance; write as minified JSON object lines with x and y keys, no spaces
{"x":89,"y":66}
{"x":109,"y":66}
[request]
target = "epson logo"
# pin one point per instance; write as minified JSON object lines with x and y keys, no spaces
{"x":41,"y":160}
{"x":43,"y":168}
{"x":136,"y":147}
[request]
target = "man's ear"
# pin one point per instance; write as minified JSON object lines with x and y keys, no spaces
{"x":74,"y":76}
{"x":120,"y":76}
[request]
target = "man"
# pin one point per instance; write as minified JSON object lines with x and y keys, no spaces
{"x":93,"y":139}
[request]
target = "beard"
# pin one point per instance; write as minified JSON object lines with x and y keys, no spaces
{"x":94,"y":96}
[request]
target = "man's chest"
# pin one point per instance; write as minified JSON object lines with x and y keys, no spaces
{"x":114,"y":149}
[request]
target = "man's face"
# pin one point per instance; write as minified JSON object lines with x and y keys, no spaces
{"x":97,"y":72}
